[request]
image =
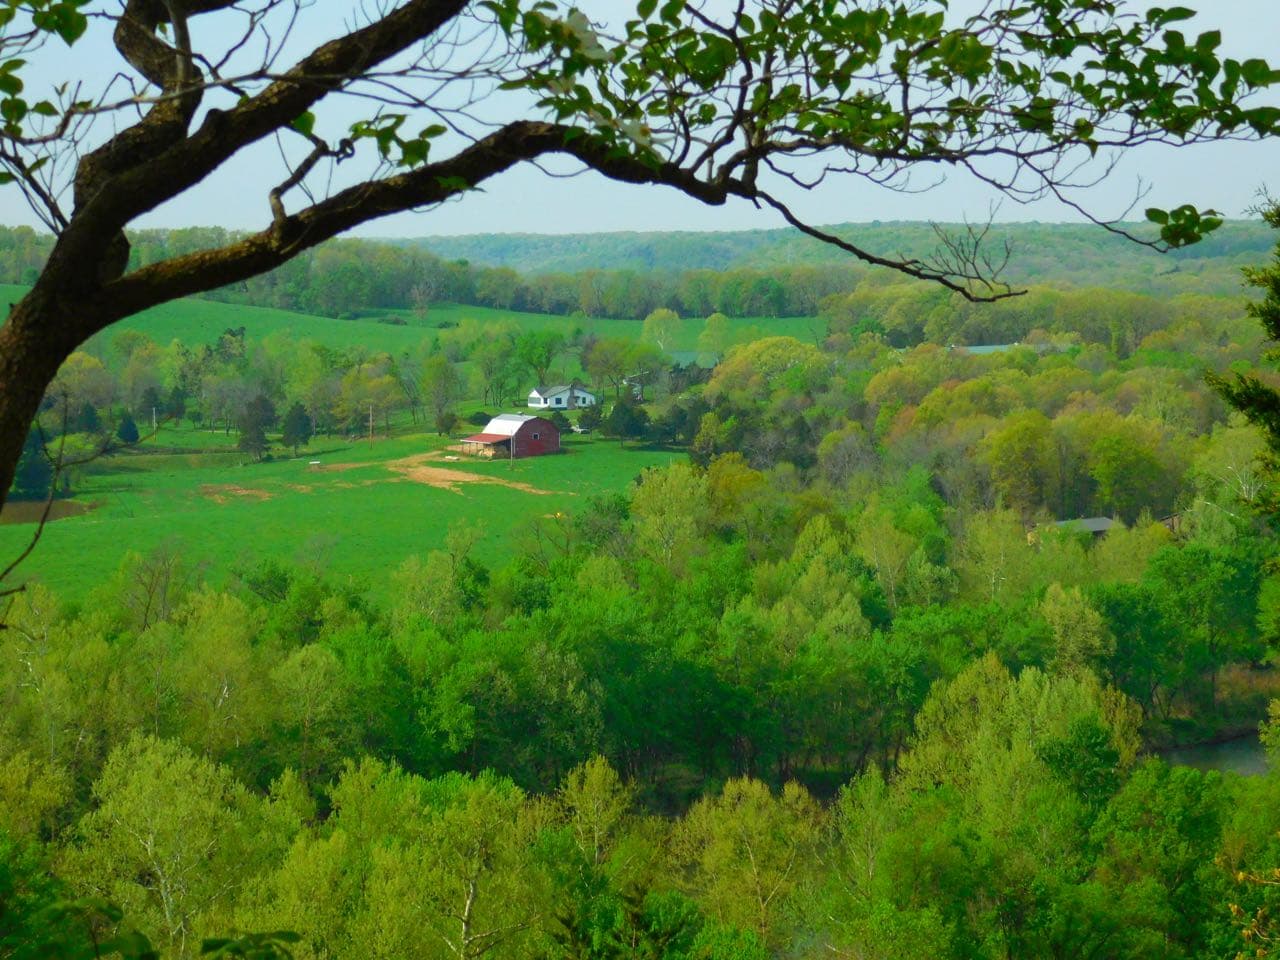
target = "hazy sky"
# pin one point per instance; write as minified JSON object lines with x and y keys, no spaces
{"x":1225,"y":176}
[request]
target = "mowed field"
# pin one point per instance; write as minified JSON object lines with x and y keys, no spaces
{"x":357,"y":514}
{"x":196,"y":322}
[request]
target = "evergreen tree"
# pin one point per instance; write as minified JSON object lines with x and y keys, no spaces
{"x":296,"y":428}
{"x":627,"y":420}
{"x":152,"y":402}
{"x":35,"y":472}
{"x":258,"y":414}
{"x":86,"y":420}
{"x":1258,"y":401}
{"x":591,"y":417}
{"x":128,"y":430}
{"x":176,"y":405}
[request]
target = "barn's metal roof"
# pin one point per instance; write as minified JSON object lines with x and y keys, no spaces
{"x":486,"y":438}
{"x":506,"y":424}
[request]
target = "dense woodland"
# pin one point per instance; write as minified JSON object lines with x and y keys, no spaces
{"x":836,"y":683}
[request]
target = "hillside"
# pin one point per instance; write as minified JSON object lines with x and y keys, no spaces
{"x":1054,"y":254}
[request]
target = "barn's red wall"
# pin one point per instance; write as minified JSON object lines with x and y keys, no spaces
{"x":548,"y":439}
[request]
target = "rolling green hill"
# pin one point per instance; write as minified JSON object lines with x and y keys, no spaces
{"x":1041,"y":253}
{"x":195,"y":322}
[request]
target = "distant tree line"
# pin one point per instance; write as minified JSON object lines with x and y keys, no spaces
{"x":350,"y":278}
{"x":358,"y":278}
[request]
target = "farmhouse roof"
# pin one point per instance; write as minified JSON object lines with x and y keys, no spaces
{"x":560,"y":388}
{"x":1089,"y":524}
{"x":486,"y":438}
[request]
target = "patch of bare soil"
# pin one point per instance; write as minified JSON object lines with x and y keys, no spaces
{"x":415,"y":468}
{"x":225,"y":492}
{"x":30,"y":511}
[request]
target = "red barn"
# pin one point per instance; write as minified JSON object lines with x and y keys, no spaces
{"x":514,"y":435}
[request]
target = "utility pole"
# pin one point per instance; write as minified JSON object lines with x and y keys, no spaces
{"x":153,"y":419}
{"x":371,"y":426}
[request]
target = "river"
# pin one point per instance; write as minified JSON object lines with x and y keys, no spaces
{"x":1243,"y":755}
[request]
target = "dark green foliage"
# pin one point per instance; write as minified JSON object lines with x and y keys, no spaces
{"x":35,"y":471}
{"x":258,"y":414}
{"x":1246,"y":392}
{"x":591,"y":417}
{"x":627,"y":420}
{"x":296,"y":428}
{"x":175,"y":406}
{"x":152,"y":402}
{"x":86,"y":420}
{"x":1085,"y":761}
{"x":127,"y":431}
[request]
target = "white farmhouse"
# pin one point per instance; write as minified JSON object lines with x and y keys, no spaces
{"x":569,"y":396}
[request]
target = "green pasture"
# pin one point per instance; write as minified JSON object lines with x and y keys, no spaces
{"x":743,"y":329}
{"x":195,"y":322}
{"x":353,"y":515}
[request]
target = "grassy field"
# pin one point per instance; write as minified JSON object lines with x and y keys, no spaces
{"x":358,"y":513}
{"x":195,"y":322}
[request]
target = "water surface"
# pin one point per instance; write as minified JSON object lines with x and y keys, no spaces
{"x":1243,"y":755}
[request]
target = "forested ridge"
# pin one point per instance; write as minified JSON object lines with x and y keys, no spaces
{"x":1040,"y":252}
{"x":756,"y":273}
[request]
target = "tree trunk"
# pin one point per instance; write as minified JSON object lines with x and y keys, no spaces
{"x":34,"y":341}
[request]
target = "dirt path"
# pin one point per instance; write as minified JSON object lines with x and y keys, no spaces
{"x":418,"y":469}
{"x":223,"y":492}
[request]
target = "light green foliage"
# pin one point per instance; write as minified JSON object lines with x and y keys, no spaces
{"x":312,"y":704}
{"x":32,"y":792}
{"x":171,"y":838}
{"x":1081,"y":640}
{"x":442,"y":388}
{"x":979,"y":733}
{"x":749,"y":371}
{"x":670,"y":512}
{"x":1022,"y":460}
{"x":660,"y":328}
{"x":1122,"y":555}
{"x":748,"y":852}
{"x":993,"y":556}
{"x":217,"y":682}
{"x":466,"y":888}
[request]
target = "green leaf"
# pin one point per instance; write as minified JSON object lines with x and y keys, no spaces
{"x":1156,"y":215}
{"x":305,"y":124}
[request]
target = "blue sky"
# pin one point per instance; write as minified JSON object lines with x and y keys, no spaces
{"x":1225,"y":176}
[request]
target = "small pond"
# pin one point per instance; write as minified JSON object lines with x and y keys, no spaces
{"x":1243,"y":755}
{"x":30,"y":511}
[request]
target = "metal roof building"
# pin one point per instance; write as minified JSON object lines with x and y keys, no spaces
{"x":514,"y":435}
